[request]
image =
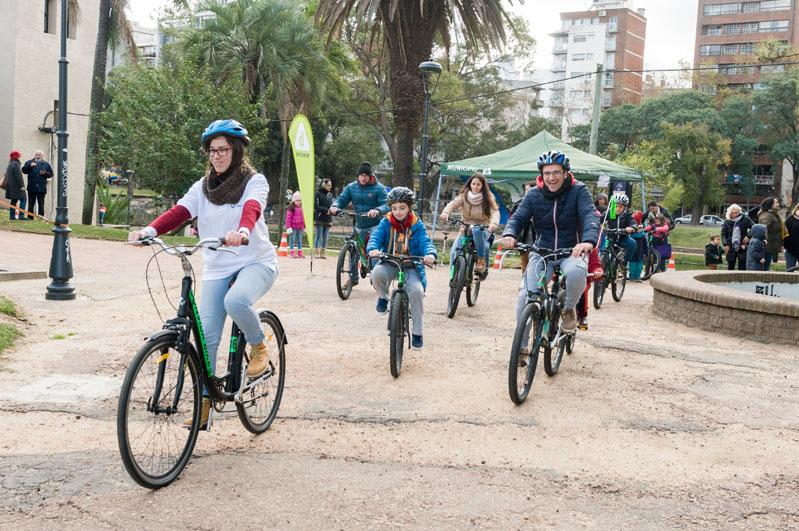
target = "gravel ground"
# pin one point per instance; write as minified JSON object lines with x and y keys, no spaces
{"x":647,"y":425}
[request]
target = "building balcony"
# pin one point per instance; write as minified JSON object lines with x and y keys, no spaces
{"x":557,"y":68}
{"x":557,"y":50}
{"x":557,"y":85}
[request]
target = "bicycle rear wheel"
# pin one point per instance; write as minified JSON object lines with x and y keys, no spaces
{"x":397,"y":333}
{"x":621,"y":281}
{"x":521,"y":368}
{"x":456,"y":284}
{"x":161,"y":388}
{"x":260,"y":402}
{"x":347,"y":263}
{"x":472,"y":285}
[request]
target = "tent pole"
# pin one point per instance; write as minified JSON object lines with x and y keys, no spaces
{"x":435,"y":213}
{"x":643,"y":196}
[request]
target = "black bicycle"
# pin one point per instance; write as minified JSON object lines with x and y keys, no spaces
{"x":461,"y":270}
{"x":615,"y":269}
{"x":540,"y":325}
{"x":352,"y":259}
{"x":399,"y":314}
{"x":652,"y":260}
{"x":165,"y":381}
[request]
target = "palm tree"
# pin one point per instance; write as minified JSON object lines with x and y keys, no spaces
{"x":112,"y":27}
{"x":409,"y":28}
{"x":273,"y":46}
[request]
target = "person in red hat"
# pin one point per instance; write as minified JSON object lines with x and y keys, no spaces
{"x":15,"y":186}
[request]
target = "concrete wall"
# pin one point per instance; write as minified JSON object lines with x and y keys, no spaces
{"x":29,"y":88}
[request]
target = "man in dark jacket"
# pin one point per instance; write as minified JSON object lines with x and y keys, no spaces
{"x":15,"y":186}
{"x":735,"y":236}
{"x":653,"y":210}
{"x":38,"y":171}
{"x":563,"y":216}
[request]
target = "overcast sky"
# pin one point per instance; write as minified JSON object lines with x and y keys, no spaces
{"x":670,"y":32}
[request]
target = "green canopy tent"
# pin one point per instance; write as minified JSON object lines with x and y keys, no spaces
{"x":511,"y":168}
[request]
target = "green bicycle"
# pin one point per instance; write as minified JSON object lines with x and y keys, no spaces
{"x":164,"y":384}
{"x":352,"y":260}
{"x":461,"y":270}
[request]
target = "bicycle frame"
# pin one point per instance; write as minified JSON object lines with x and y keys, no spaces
{"x":360,"y":246}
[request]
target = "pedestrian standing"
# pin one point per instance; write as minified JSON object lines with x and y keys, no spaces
{"x":323,"y":200}
{"x":15,"y":186}
{"x":101,"y":214}
{"x":791,"y":239}
{"x":39,"y":172}
{"x":756,"y":254}
{"x":771,"y":219}
{"x":295,"y":225}
{"x":713,"y":252}
{"x":735,"y":236}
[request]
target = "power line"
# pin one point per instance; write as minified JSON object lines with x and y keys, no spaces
{"x":539,"y":85}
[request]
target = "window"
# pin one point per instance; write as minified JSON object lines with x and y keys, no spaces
{"x":610,"y":42}
{"x":750,"y":7}
{"x":710,"y":49}
{"x":733,"y":29}
{"x":49,"y":16}
{"x":610,"y":60}
{"x":582,"y":37}
{"x":578,"y":57}
{"x":711,"y":30}
{"x":613,"y":23}
{"x":772,"y":25}
{"x":775,"y":5}
{"x":772,"y":69}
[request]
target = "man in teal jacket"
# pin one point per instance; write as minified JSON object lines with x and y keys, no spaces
{"x":367,"y":197}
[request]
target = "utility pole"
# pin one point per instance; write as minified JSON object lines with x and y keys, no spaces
{"x":597,"y":109}
{"x":61,"y":258}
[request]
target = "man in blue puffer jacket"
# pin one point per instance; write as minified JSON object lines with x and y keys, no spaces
{"x":563,"y":215}
{"x":367,"y":196}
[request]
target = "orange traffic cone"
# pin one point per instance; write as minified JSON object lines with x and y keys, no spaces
{"x":498,"y":257}
{"x":671,"y":266}
{"x":283,"y":250}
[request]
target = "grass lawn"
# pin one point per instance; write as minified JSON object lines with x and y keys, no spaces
{"x":8,"y":333}
{"x":693,"y":237}
{"x":92,"y":232}
{"x":8,"y":307}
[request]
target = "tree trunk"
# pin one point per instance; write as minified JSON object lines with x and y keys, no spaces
{"x":795,"y":189}
{"x":95,"y":107}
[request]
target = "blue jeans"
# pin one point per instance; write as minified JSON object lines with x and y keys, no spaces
{"x":630,"y":247}
{"x":295,"y":239}
{"x":790,"y":260}
{"x":320,"y":238}
{"x":482,"y":242}
{"x":218,"y":300}
{"x":13,"y":213}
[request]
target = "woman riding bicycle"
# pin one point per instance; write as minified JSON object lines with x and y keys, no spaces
{"x":402,"y":233}
{"x":228,"y":201}
{"x":478,"y":207}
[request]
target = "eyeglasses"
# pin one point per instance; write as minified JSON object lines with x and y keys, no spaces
{"x":218,"y":152}
{"x":557,"y":173}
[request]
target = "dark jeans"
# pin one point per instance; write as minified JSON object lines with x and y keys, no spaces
{"x":740,"y":257}
{"x":13,"y":213}
{"x":771,"y":258}
{"x":36,"y":198}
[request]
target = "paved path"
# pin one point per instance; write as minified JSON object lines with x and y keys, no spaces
{"x":648,"y":424}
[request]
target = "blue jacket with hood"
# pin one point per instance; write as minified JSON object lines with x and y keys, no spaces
{"x":560,"y":222}
{"x":757,"y":248}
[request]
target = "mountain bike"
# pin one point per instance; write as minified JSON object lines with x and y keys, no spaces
{"x":461,"y":270}
{"x":540,"y":324}
{"x":165,"y":381}
{"x":399,"y":314}
{"x":652,"y":259}
{"x":612,"y":256}
{"x":352,"y":259}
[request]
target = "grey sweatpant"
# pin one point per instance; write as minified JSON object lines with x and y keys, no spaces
{"x":575,"y":269}
{"x":384,"y":274}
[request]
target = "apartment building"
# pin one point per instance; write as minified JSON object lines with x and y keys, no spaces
{"x":30,"y":37}
{"x":145,"y":39}
{"x":608,"y":33}
{"x":727,"y":37}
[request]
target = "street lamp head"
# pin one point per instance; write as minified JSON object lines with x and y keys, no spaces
{"x":430,"y":67}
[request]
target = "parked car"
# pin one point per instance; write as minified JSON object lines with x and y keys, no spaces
{"x":685,"y":220}
{"x":711,"y":220}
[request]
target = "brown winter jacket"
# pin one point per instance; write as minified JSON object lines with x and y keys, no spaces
{"x":471,"y":213}
{"x":773,"y":225}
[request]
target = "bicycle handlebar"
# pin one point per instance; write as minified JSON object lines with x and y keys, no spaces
{"x":350,"y":213}
{"x":215,"y":244}
{"x":465,"y":224}
{"x":402,"y":260}
{"x":544,"y":252}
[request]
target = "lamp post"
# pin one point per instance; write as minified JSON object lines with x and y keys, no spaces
{"x":61,"y":288}
{"x":427,"y":68}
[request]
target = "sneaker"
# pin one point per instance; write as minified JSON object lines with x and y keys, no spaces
{"x":206,"y":411}
{"x":323,"y":254}
{"x":480,"y":266}
{"x":382,"y":305}
{"x":582,"y":323}
{"x":416,"y":342}
{"x":569,"y":320}
{"x":259,"y":361}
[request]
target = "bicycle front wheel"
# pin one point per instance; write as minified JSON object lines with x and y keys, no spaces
{"x":651,"y":264}
{"x":521,"y":368}
{"x":599,"y":293}
{"x":345,"y":270}
{"x":456,"y":284}
{"x":160,"y":390}
{"x":261,"y":396}
{"x":552,"y":363}
{"x":397,"y":320}
{"x":620,"y":283}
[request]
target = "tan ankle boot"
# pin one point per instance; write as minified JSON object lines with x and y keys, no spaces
{"x":259,"y":361}
{"x":206,"y":411}
{"x":322,"y":253}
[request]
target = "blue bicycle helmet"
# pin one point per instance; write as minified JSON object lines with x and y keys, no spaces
{"x":224,"y":127}
{"x":554,"y":157}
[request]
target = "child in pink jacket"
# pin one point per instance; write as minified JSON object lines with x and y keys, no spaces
{"x":295,"y":225}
